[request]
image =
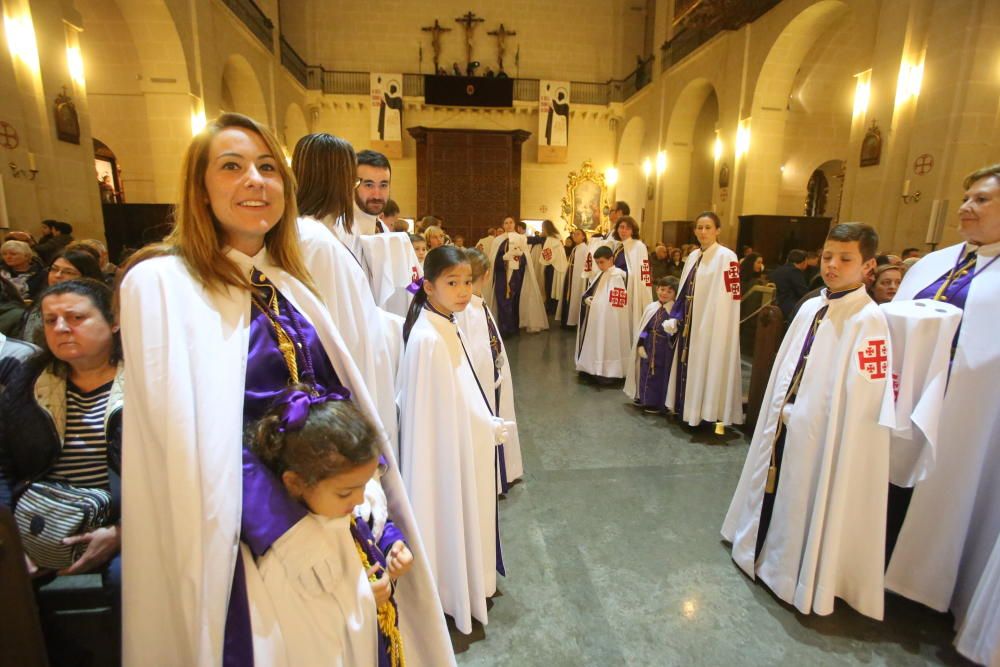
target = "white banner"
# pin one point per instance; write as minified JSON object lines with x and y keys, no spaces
{"x":553,"y":120}
{"x":386,"y":102}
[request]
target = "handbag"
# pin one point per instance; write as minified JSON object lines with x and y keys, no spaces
{"x":48,"y":512}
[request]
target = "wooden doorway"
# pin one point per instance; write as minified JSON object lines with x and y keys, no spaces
{"x":470,"y":178}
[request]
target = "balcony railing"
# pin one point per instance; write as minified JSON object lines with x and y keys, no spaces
{"x":705,"y":21}
{"x":254,"y":19}
{"x":293,"y":62}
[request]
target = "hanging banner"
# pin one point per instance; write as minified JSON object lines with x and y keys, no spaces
{"x":387,"y":114}
{"x":553,"y":121}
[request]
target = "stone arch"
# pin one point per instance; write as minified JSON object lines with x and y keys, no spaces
{"x":631,"y":186}
{"x":687,"y":185}
{"x":295,"y":126}
{"x":770,"y":103}
{"x":241,"y":90}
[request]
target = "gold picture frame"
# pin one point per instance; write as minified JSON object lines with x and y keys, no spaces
{"x":585,"y":205}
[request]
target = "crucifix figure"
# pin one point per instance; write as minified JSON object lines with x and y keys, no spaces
{"x":469,"y":20}
{"x":501,"y":34}
{"x":436,"y":31}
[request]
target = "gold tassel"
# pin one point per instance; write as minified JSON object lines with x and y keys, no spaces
{"x":772,"y":479}
{"x":386,"y":616}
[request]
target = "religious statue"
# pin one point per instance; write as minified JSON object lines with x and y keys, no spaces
{"x":436,"y":31}
{"x":501,"y":34}
{"x":469,"y":21}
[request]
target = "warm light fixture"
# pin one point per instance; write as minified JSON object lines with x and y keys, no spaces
{"x":21,"y":39}
{"x":862,"y":92}
{"x":611,"y":176}
{"x":661,"y":162}
{"x":908,"y":84}
{"x":74,"y":59}
{"x":198,"y":121}
{"x":717,"y":149}
{"x":743,"y":137}
{"x":647,"y":167}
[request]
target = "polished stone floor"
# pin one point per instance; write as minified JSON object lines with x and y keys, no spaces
{"x":613,"y":551}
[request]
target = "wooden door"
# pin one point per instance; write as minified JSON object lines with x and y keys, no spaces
{"x":469,"y":178}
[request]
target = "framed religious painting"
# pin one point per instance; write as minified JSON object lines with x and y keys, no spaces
{"x":585,"y":205}
{"x":67,"y":122}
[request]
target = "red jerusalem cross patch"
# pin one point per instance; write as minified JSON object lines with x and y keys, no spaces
{"x":589,"y":264}
{"x":547,"y":254}
{"x":618,"y":297}
{"x":732,"y":278}
{"x":414,"y":275}
{"x":647,"y":275}
{"x":873,"y":359}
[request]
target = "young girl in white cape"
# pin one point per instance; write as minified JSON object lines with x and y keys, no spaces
{"x":448,"y":442}
{"x":489,"y":360}
{"x":602,"y":339}
{"x":326,"y":452}
{"x":575,"y":282}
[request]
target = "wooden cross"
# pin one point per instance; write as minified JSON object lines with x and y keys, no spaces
{"x":436,"y":31}
{"x":501,"y":34}
{"x":469,"y":20}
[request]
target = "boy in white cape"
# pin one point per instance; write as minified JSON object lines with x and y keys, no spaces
{"x":602,"y":339}
{"x":808,"y":515}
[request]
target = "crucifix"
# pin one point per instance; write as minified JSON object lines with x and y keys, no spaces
{"x":436,"y":31}
{"x":469,"y":20}
{"x":501,"y":34}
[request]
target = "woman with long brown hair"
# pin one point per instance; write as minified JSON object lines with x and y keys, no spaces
{"x":216,"y":324}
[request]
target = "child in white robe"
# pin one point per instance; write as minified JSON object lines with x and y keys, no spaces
{"x":809,"y":513}
{"x":325,"y":451}
{"x":419,"y":247}
{"x":602,"y":339}
{"x":448,"y":438}
{"x":489,"y":360}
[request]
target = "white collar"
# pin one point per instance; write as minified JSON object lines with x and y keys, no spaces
{"x":359,"y":214}
{"x":988,"y":250}
{"x":857,"y":294}
{"x":246,"y":262}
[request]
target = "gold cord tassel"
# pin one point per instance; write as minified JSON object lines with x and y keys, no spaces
{"x":386,"y":616}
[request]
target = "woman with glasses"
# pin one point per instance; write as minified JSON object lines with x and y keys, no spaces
{"x":70,"y":264}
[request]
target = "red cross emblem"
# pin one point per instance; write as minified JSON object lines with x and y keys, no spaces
{"x":414,"y":275}
{"x":647,"y":275}
{"x":8,"y":135}
{"x":618,"y":297}
{"x":589,"y":264}
{"x":923,"y":164}
{"x":873,"y":359}
{"x":732,"y":278}
{"x":547,"y":254}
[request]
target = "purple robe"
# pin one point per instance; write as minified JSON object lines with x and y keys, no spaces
{"x":682,"y":340}
{"x":654,"y":370}
{"x":268,"y":511}
{"x":621,"y":260}
{"x":508,"y":307}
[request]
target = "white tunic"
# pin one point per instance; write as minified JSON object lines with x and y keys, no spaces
{"x":569,"y":311}
{"x":476,"y":333}
{"x":447,"y":451}
{"x":531,"y":308}
{"x":827,"y":533}
{"x":182,"y":503}
{"x":979,"y":634}
{"x":953,"y":520}
{"x":714,"y":383}
{"x":640,"y":282}
{"x":602,"y":340}
{"x":553,"y":254}
{"x":373,"y":336}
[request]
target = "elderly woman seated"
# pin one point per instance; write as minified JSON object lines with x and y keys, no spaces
{"x":60,"y":415}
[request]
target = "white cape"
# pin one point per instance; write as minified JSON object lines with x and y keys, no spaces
{"x":476,"y":333}
{"x":554,"y":254}
{"x":393,"y":267}
{"x":532,"y":308}
{"x":447,"y":451}
{"x":602,"y":339}
{"x":182,"y":471}
{"x":714,"y":390}
{"x":827,"y":533}
{"x":979,"y":634}
{"x":953,"y":520}
{"x":568,"y":311}
{"x":373,"y":336}
{"x":640,"y":281}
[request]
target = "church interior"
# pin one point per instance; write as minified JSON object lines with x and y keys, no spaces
{"x":782,"y":117}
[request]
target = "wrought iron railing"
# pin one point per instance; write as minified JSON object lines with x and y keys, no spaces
{"x":293,"y":62}
{"x":254,"y":19}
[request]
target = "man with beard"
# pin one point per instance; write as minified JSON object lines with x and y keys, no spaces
{"x":371,"y":192}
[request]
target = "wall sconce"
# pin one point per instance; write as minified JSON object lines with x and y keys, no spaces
{"x":743,"y":137}
{"x":647,"y":169}
{"x":661,"y":163}
{"x":611,"y":176}
{"x":907,"y":197}
{"x":28,"y":173}
{"x":74,"y":60}
{"x":198,"y":121}
{"x":717,"y":149}
{"x":21,"y":39}
{"x":862,"y":92}
{"x":908,"y":84}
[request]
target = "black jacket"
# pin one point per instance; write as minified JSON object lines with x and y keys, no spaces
{"x":32,"y":426}
{"x":791,"y":286}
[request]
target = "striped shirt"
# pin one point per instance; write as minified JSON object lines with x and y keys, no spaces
{"x":84,"y":457}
